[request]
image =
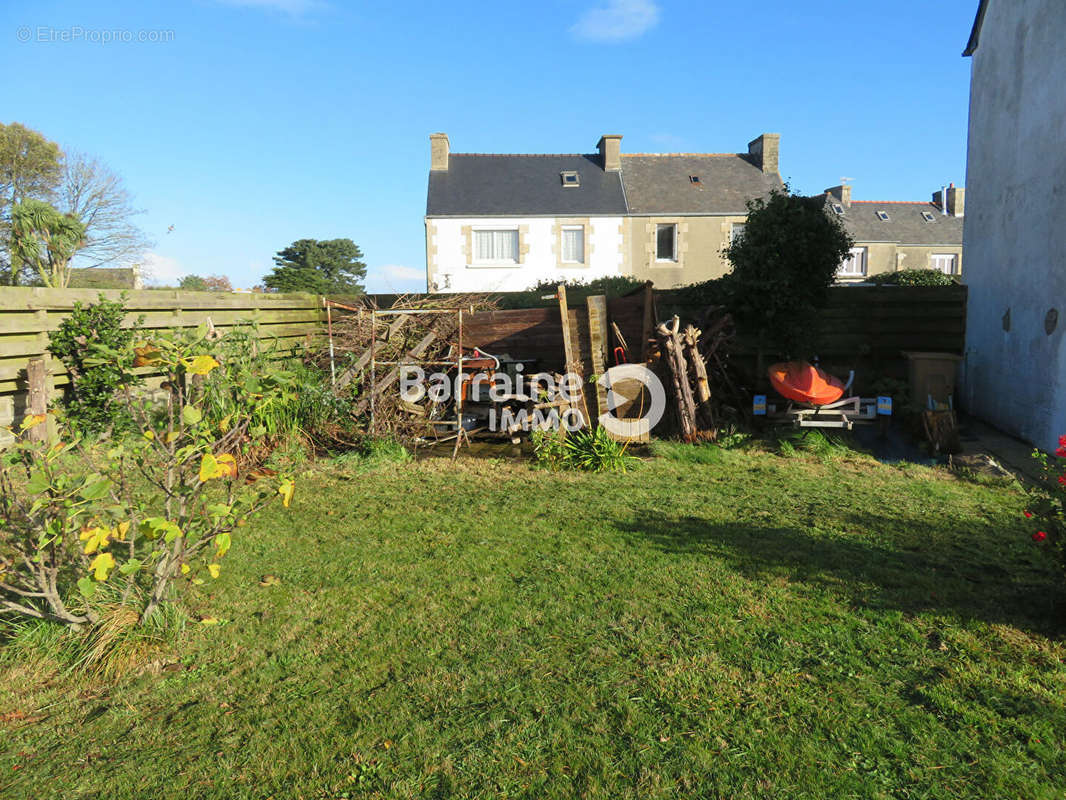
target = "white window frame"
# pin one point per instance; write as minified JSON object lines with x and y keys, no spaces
{"x":562,"y":245}
{"x":659,"y":260}
{"x":953,"y":260}
{"x":493,"y":262}
{"x":736,"y":230}
{"x":862,"y":261}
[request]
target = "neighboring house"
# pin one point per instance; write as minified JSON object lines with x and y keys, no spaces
{"x":891,"y":235}
{"x":1015,"y":365}
{"x":509,"y":222}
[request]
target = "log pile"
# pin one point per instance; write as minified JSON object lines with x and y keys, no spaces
{"x":696,"y":365}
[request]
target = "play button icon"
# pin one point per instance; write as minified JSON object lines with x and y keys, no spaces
{"x":635,"y":386}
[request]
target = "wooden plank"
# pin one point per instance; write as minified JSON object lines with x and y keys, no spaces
{"x":597,"y":314}
{"x":364,"y":359}
{"x":38,"y":382}
{"x":32,"y":298}
{"x":390,"y":378}
{"x":569,"y":354}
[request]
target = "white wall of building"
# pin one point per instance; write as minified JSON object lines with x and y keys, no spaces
{"x":451,"y":268}
{"x":1015,"y":232}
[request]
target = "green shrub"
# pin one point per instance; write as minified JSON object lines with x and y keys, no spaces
{"x":577,"y":291}
{"x":1047,"y":505}
{"x":83,"y":523}
{"x":782,"y":268}
{"x":95,"y":349}
{"x":914,"y":277}
{"x":589,"y":450}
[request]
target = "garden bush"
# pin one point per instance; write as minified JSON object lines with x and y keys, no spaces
{"x":1047,"y":505}
{"x":589,"y":450}
{"x":84,"y":523}
{"x":914,"y":277}
{"x":95,"y":349}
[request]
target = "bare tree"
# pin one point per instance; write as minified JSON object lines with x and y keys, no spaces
{"x":96,"y":195}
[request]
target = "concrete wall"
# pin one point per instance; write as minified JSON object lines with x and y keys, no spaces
{"x":450,"y":264}
{"x":1015,"y":236}
{"x":700,"y":241}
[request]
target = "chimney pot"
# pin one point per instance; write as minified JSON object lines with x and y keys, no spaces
{"x":763,"y":152}
{"x":610,"y":147}
{"x":439,"y":147}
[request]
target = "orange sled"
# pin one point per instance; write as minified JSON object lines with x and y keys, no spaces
{"x":805,"y":383}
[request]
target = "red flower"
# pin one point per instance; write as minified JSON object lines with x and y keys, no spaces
{"x":1039,"y":536}
{"x":1062,"y":440}
{"x":1062,"y":479}
{"x":1028,"y":514}
{"x":1061,"y":452}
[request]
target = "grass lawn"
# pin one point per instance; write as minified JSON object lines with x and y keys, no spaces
{"x":714,"y":624}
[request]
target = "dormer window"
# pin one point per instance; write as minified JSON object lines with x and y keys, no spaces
{"x":882,"y":215}
{"x":694,"y":179}
{"x":927,"y":216}
{"x":570,"y":178}
{"x":838,"y":209}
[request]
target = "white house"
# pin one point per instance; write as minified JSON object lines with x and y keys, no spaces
{"x":1015,"y":225}
{"x":509,"y":222}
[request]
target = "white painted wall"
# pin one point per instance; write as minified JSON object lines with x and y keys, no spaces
{"x":1015,"y":231}
{"x":452,"y":271}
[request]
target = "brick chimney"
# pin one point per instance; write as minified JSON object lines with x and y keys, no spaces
{"x":842,"y":194}
{"x":763,"y":152}
{"x":610,"y":147}
{"x":439,"y":148}
{"x":956,"y":200}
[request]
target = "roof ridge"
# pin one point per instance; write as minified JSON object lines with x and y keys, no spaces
{"x":895,"y":202}
{"x":689,"y":155}
{"x":529,"y":155}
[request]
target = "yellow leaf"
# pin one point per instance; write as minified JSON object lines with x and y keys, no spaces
{"x":224,"y":424}
{"x":227,"y":465}
{"x":121,"y":530}
{"x":33,"y":420}
{"x":208,"y":467}
{"x":149,"y":435}
{"x":209,"y":621}
{"x":286,"y":490}
{"x":184,"y":569}
{"x":172,"y":436}
{"x":201,"y":365}
{"x":102,"y":565}
{"x":214,"y":569}
{"x":94,"y":538}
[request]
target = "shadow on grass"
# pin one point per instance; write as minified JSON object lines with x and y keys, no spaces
{"x":897,"y":563}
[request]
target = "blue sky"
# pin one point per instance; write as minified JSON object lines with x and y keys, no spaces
{"x":264,"y":121}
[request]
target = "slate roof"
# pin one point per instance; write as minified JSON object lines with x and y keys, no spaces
{"x":660,"y":185}
{"x":905,"y":223}
{"x":476,"y":185}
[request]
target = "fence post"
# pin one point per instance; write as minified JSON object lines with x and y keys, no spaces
{"x":37,"y":378}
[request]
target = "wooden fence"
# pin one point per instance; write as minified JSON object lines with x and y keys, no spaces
{"x":28,"y":314}
{"x":867,"y":328}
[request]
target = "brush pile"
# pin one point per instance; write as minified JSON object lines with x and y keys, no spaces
{"x":417,"y":336}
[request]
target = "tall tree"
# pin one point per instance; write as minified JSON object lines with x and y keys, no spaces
{"x":44,"y":240}
{"x":332,"y":266}
{"x":30,"y":167}
{"x":783,"y":266}
{"x":193,"y":283}
{"x":218,"y":283}
{"x":92,"y":192}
